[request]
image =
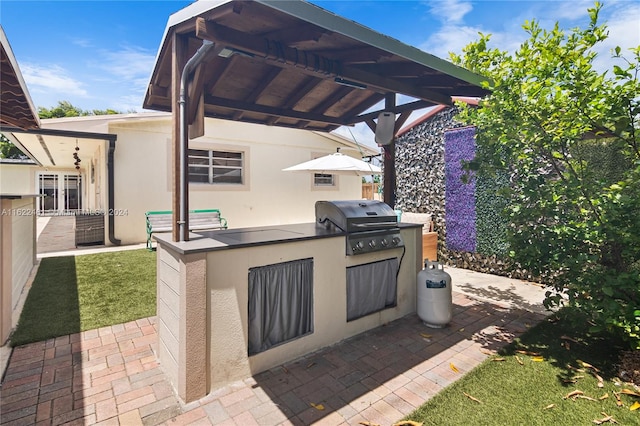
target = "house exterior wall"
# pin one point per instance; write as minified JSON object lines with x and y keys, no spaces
{"x":268,"y":197}
{"x":17,"y":178}
{"x":23,"y":179}
{"x":17,"y":256}
{"x":23,"y":245}
{"x":143,"y":170}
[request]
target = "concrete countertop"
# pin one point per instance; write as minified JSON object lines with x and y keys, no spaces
{"x":204,"y":241}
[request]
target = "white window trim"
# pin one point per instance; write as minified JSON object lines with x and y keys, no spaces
{"x":213,"y":146}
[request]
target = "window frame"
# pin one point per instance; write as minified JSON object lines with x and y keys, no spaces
{"x":215,"y":160}
{"x":315,"y":186}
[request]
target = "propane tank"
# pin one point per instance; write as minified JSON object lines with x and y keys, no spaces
{"x":434,"y":295}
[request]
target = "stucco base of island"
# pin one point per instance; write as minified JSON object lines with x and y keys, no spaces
{"x":203,"y":301}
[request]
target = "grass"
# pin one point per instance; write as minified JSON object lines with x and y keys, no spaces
{"x":72,"y":294}
{"x":524,"y":389}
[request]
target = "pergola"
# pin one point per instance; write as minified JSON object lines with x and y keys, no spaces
{"x":292,"y":64}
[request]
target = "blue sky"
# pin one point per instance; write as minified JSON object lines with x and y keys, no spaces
{"x":99,"y":54}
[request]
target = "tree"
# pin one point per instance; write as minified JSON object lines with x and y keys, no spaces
{"x":63,"y":109}
{"x":9,"y":150}
{"x":569,"y":137}
{"x":66,"y":109}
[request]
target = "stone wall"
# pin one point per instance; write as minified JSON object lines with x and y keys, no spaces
{"x":420,"y":188}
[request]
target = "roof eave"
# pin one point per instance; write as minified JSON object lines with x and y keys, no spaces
{"x":326,"y":19}
{"x":4,"y":41}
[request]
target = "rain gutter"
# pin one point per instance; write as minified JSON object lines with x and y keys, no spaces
{"x":111,"y":195}
{"x":189,"y":67}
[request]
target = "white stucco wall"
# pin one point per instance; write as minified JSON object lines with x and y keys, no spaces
{"x":269,"y":197}
{"x":17,"y":179}
{"x":228,"y":296}
{"x":17,"y":256}
{"x":23,"y":245}
{"x":143,"y":164}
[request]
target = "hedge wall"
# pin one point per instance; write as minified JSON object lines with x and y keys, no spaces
{"x":471,"y":231}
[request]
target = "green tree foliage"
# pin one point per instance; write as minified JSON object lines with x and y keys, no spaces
{"x":9,"y":150}
{"x":568,"y":138}
{"x":63,"y":109}
{"x":491,"y":225}
{"x":66,"y":109}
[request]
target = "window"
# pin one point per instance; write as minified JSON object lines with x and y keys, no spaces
{"x":216,"y":167}
{"x":323,"y":179}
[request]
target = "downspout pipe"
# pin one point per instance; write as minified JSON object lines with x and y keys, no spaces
{"x":189,"y":67}
{"x":111,"y":196}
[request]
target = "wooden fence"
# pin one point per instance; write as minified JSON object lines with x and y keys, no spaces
{"x":370,"y":191}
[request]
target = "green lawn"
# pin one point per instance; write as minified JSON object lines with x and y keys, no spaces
{"x":72,"y":294}
{"x":520,"y":387}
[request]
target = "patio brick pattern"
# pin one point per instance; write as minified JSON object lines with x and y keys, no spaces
{"x":110,"y":376}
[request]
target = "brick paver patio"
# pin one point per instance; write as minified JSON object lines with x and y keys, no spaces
{"x":111,"y":376}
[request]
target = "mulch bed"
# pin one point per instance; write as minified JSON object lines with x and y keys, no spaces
{"x":629,"y":369}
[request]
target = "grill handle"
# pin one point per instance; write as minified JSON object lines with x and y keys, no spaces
{"x":374,"y":224}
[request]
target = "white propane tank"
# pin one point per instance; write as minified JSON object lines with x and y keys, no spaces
{"x":434,"y":295}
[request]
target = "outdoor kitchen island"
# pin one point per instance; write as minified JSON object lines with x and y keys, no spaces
{"x":233,"y":303}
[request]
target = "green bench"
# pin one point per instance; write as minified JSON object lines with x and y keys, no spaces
{"x":199,"y":220}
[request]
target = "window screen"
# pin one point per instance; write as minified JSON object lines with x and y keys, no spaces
{"x":323,"y":179}
{"x":216,"y":167}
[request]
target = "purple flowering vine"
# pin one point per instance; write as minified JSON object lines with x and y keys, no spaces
{"x":460,"y":212}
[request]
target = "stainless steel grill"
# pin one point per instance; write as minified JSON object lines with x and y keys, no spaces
{"x":370,"y":225}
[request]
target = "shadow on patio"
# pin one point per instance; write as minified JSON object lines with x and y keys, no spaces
{"x":112,"y":375}
{"x":379,"y":376}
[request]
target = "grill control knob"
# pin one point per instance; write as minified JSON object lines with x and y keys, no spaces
{"x":372,"y":243}
{"x":384,"y":242}
{"x":395,"y":241}
{"x":359,"y":246}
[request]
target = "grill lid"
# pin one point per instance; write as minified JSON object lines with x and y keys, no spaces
{"x":356,"y":215}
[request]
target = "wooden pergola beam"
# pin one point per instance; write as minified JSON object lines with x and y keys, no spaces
{"x":398,"y":109}
{"x":273,"y":111}
{"x":389,"y":178}
{"x":278,"y":54}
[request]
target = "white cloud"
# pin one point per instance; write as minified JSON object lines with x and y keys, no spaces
{"x":552,"y":11}
{"x":51,"y":79}
{"x":82,"y":42}
{"x":623,"y":23}
{"x":129,"y":102}
{"x":114,"y":79}
{"x":452,"y":38}
{"x":622,"y":19}
{"x":450,"y":11}
{"x":129,"y":63}
{"x":126,"y":71}
{"x":449,"y":38}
